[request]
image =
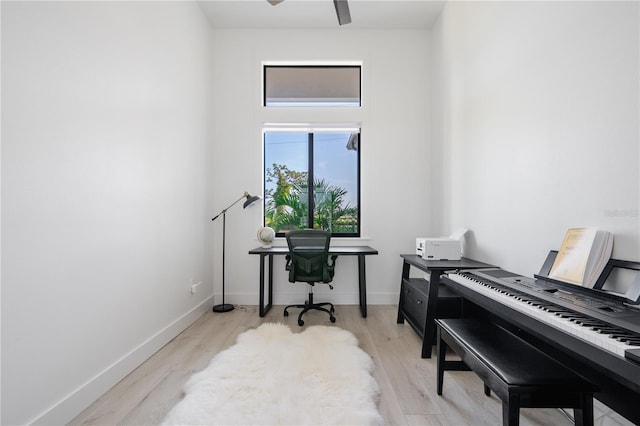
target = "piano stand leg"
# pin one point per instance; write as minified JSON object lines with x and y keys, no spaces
{"x":584,"y":416}
{"x":442,"y":354}
{"x":511,"y":410}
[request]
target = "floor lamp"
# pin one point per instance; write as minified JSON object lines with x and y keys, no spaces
{"x":250,"y":199}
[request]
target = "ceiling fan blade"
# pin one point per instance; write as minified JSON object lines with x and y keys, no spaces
{"x":342,"y":10}
{"x":275,"y":2}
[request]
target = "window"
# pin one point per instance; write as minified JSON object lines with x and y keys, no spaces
{"x":312,"y":175}
{"x":311,"y":85}
{"x":312,"y":180}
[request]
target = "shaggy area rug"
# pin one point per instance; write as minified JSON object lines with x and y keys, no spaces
{"x":272,"y":376}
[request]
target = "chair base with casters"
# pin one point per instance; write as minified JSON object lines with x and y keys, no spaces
{"x":309,"y":305}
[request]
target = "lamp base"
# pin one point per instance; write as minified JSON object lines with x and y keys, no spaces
{"x":225,"y":307}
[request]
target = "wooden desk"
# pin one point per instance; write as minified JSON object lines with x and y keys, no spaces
{"x":434,"y":268}
{"x":360,"y":251}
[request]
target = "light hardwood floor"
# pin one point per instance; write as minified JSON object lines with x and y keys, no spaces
{"x":407,"y":382}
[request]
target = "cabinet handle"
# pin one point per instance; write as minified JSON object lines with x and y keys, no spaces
{"x":419,"y":302}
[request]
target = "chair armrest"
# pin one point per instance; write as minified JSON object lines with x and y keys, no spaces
{"x":330,"y":270}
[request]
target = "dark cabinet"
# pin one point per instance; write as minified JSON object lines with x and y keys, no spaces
{"x":414,"y":303}
{"x":423,"y":300}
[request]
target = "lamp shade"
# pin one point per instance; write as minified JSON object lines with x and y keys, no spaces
{"x":250,"y":200}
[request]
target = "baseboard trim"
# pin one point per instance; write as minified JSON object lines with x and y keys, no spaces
{"x":290,"y":297}
{"x":73,"y":404}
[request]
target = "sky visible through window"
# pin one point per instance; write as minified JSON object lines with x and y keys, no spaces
{"x":333,"y":162}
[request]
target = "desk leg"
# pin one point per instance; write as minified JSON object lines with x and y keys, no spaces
{"x":261,"y":290}
{"x":432,"y":306}
{"x":262,"y":308}
{"x":362,"y":281}
{"x":270,"y":283}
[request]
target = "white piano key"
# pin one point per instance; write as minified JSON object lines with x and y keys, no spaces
{"x":602,"y":340}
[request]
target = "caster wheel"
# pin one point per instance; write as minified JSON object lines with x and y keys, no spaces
{"x":333,"y":319}
{"x":300,"y":323}
{"x":286,"y":314}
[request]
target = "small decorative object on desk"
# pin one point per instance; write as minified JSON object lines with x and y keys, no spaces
{"x":266,"y":236}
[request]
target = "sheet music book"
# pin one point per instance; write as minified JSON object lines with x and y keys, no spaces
{"x":582,"y":257}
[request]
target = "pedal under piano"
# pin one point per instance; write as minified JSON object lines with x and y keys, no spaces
{"x":595,"y":331}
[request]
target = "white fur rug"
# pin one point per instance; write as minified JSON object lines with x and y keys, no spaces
{"x":272,"y":376}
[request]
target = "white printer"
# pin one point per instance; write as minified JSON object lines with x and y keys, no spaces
{"x":441,"y":248}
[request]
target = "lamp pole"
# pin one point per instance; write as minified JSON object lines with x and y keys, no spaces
{"x":226,"y":307}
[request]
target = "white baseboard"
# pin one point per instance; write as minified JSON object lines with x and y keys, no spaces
{"x":297,"y":297}
{"x":73,"y":404}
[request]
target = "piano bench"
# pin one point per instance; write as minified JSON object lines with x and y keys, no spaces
{"x":518,"y":373}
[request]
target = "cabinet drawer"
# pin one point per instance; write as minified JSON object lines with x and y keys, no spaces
{"x":414,"y":302}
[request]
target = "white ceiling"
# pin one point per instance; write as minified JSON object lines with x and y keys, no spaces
{"x":369,"y":14}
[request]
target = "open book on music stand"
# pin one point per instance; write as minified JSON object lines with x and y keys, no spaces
{"x":582,"y":256}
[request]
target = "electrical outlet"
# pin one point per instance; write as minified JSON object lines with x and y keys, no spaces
{"x":194,"y":286}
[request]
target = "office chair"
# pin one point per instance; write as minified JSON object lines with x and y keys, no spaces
{"x":308,"y":261}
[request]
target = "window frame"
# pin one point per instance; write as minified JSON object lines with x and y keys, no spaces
{"x":292,"y":104}
{"x":310,"y":171}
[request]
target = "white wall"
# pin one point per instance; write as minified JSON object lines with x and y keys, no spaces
{"x":105,"y":194}
{"x":536,"y":109}
{"x":394,"y":150}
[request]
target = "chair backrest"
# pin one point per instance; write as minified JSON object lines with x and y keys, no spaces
{"x":308,"y":258}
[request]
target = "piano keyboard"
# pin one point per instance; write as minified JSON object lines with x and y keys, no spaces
{"x":606,"y":336}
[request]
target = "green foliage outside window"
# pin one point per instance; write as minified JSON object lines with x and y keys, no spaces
{"x":287,"y":206}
